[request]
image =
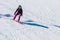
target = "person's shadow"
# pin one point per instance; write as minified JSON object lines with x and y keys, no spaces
{"x":31,"y":23}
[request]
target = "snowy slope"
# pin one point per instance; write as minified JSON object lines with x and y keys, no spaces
{"x":40,"y":20}
{"x":11,"y":30}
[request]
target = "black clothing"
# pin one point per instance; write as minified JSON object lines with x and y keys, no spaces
{"x":19,"y":11}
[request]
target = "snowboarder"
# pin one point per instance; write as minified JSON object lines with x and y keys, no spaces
{"x":18,"y":13}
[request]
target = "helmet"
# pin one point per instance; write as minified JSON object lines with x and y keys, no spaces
{"x":20,"y":6}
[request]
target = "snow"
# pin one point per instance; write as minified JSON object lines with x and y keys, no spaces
{"x":40,"y":20}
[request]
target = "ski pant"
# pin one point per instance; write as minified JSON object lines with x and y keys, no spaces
{"x":19,"y":16}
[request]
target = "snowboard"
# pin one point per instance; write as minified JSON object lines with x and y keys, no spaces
{"x":17,"y":21}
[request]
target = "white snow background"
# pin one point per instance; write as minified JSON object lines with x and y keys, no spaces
{"x":41,"y":20}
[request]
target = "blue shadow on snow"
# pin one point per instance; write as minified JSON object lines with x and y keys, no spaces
{"x":34,"y":24}
{"x":6,"y":15}
{"x":29,"y":21}
{"x":57,"y":26}
{"x":1,"y":15}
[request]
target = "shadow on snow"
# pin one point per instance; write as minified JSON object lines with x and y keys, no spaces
{"x":30,"y":22}
{"x":57,"y":26}
{"x":5,"y":15}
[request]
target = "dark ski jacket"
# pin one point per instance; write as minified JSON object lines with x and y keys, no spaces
{"x":19,"y":11}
